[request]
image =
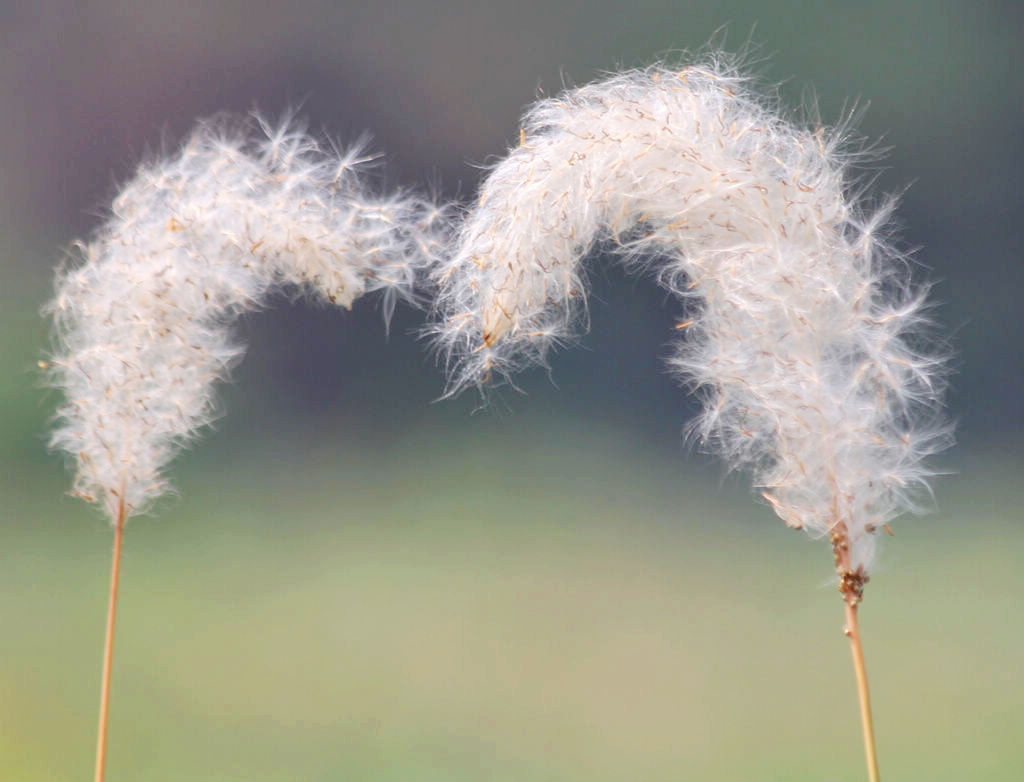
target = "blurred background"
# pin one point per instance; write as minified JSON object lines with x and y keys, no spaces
{"x":359,"y":582}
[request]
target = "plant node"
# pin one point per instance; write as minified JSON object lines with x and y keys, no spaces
{"x":851,"y":580}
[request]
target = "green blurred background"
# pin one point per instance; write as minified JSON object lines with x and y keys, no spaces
{"x":358,"y":582}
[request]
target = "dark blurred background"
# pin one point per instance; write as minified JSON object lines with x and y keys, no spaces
{"x":358,"y":582}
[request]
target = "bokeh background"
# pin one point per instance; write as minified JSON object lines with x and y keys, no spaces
{"x":359,"y":582}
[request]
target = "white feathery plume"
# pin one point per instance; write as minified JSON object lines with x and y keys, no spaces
{"x":143,"y":319}
{"x":802,"y":328}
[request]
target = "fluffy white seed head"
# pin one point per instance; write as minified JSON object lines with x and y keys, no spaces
{"x":801,"y":326}
{"x":143,"y":318}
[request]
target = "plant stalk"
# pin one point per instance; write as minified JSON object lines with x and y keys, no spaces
{"x":851,"y":586}
{"x":867,"y":727}
{"x":108,"y":648}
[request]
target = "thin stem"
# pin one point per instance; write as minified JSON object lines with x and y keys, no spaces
{"x":108,"y":649}
{"x":851,"y":586}
{"x":853,"y":633}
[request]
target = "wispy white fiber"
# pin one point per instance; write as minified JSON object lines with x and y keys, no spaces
{"x":802,"y":329}
{"x":143,"y":318}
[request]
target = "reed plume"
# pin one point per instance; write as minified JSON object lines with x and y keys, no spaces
{"x":143,"y":319}
{"x":803,"y":331}
{"x":194,"y":240}
{"x":804,"y":335}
